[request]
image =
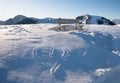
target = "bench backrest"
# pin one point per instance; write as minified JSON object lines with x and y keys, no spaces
{"x":66,"y":21}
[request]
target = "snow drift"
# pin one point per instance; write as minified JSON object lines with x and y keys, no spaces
{"x":40,"y":53}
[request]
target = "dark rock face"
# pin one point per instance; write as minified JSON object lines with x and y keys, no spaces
{"x":15,"y":20}
{"x":105,"y":20}
{"x":27,"y":21}
{"x":9,"y":22}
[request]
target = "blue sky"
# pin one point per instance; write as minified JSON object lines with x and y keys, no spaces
{"x":59,"y":8}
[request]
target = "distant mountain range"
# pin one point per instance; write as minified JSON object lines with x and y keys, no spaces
{"x":84,"y":19}
{"x":20,"y":19}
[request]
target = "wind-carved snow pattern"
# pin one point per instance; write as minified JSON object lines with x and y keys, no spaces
{"x":54,"y":53}
{"x":40,"y":53}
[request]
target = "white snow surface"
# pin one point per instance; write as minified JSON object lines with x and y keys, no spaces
{"x":39,"y":53}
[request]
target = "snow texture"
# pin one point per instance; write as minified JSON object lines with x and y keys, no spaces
{"x":39,"y":53}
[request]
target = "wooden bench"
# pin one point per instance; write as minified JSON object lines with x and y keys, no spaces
{"x":61,"y":21}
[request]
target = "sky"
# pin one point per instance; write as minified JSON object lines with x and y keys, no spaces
{"x":59,"y":8}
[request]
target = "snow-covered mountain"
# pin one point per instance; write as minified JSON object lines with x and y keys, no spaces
{"x":2,"y":22}
{"x":92,"y":19}
{"x":32,"y":20}
{"x":40,"y":53}
{"x":15,"y":20}
{"x":20,"y":19}
{"x":28,"y":21}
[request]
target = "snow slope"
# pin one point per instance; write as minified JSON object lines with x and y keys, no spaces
{"x":116,"y":21}
{"x":39,"y":53}
{"x":2,"y":22}
{"x":15,"y":20}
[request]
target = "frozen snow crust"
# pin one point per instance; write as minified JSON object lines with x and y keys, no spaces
{"x":40,"y":53}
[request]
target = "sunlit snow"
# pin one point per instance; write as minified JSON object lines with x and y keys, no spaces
{"x":40,"y":53}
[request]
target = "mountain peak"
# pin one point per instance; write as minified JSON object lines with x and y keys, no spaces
{"x":19,"y":18}
{"x":93,"y":19}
